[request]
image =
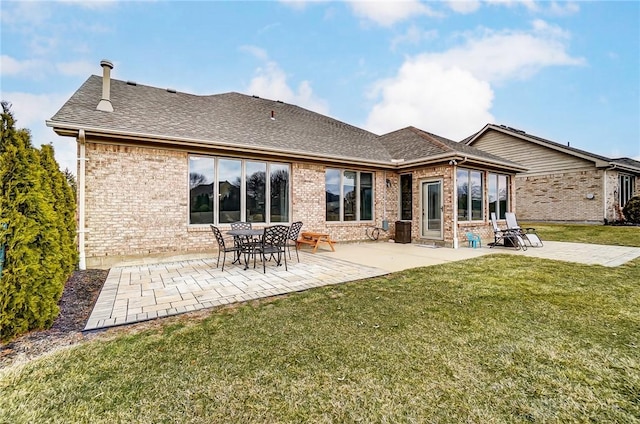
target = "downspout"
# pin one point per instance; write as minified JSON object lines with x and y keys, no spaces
{"x":81,"y":199}
{"x":455,"y":204}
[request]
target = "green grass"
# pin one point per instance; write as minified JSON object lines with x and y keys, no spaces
{"x":587,"y":233}
{"x":499,"y":338}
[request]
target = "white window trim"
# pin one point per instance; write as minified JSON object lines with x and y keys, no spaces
{"x":243,"y":192}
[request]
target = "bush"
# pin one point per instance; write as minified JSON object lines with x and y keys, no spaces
{"x":631,"y":210}
{"x":33,"y":206}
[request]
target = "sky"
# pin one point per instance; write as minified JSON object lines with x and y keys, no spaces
{"x":565,"y":71}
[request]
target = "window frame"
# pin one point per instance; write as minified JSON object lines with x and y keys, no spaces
{"x":470,"y":210}
{"x":626,"y":188}
{"x":357,"y":190}
{"x":500,"y":214}
{"x":243,"y":189}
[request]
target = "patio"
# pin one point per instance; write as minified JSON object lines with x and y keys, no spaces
{"x":140,"y":292}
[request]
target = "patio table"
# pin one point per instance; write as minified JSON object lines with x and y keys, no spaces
{"x":247,"y":241}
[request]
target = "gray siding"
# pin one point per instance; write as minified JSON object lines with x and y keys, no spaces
{"x":538,"y":159}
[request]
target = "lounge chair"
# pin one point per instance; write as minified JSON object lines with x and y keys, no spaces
{"x":506,"y":237}
{"x":528,"y":234}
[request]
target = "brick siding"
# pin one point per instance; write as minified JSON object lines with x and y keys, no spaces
{"x":562,"y":196}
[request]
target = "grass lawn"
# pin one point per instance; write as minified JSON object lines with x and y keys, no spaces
{"x":499,"y":338}
{"x":586,"y":233}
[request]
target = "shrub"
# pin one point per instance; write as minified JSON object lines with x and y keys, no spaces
{"x":631,"y":210}
{"x":37,"y":257}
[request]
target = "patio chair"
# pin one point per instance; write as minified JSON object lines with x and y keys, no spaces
{"x":292,"y":237}
{"x":474,"y":240}
{"x":528,"y":234}
{"x":509,"y":238}
{"x":273,"y":244}
{"x":223,"y":248}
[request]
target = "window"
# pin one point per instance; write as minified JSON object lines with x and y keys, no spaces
{"x":498,"y":194}
{"x":349,"y":195}
{"x":225,"y":190}
{"x":279,"y":184}
{"x":201,"y":178}
{"x":229,"y":178}
{"x":256,"y":192}
{"x":469,"y":192}
{"x":626,"y":189}
{"x":406,"y":197}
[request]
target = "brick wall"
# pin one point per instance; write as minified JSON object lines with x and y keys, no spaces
{"x":308,"y":203}
{"x":561,"y":196}
{"x":137,"y":204}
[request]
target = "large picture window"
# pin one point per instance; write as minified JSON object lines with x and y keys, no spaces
{"x":498,"y":194}
{"x":349,"y":195}
{"x":469,"y":194}
{"x":225,"y":190}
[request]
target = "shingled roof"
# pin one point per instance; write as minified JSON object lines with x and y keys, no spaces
{"x":412,"y":144}
{"x":247,"y":123}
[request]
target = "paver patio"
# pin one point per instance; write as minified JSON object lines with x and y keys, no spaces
{"x":141,"y":292}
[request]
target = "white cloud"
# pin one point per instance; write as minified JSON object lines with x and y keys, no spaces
{"x":498,"y":56}
{"x":530,"y":5}
{"x":10,"y":66}
{"x":448,"y":101}
{"x":92,"y":4}
{"x":387,"y":13}
{"x":464,"y":6}
{"x":564,"y":8}
{"x":413,"y":35}
{"x":296,"y":4}
{"x":31,"y":111}
{"x":271,"y":82}
{"x":450,"y":93}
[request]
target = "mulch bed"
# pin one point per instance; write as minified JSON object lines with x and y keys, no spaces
{"x":79,"y":296}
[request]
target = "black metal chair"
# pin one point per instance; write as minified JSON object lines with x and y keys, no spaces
{"x":222,"y":247}
{"x":273,"y":244}
{"x":292,"y":237}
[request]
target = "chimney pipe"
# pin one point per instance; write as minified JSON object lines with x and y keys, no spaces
{"x":105,"y":103}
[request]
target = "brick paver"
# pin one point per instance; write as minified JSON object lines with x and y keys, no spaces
{"x":138,"y":293}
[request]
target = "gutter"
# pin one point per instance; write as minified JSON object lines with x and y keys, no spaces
{"x":72,"y":130}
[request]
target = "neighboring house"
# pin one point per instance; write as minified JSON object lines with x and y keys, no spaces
{"x":157,"y":167}
{"x":561,"y":183}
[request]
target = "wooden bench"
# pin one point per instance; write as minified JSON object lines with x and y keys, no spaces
{"x":314,"y":239}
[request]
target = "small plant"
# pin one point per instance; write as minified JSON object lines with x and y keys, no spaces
{"x":632,"y":210}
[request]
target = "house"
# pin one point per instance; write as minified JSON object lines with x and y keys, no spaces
{"x":561,"y":183}
{"x":156,"y":167}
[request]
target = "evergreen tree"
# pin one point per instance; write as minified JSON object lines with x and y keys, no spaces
{"x":62,"y":199}
{"x":31,"y":283}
